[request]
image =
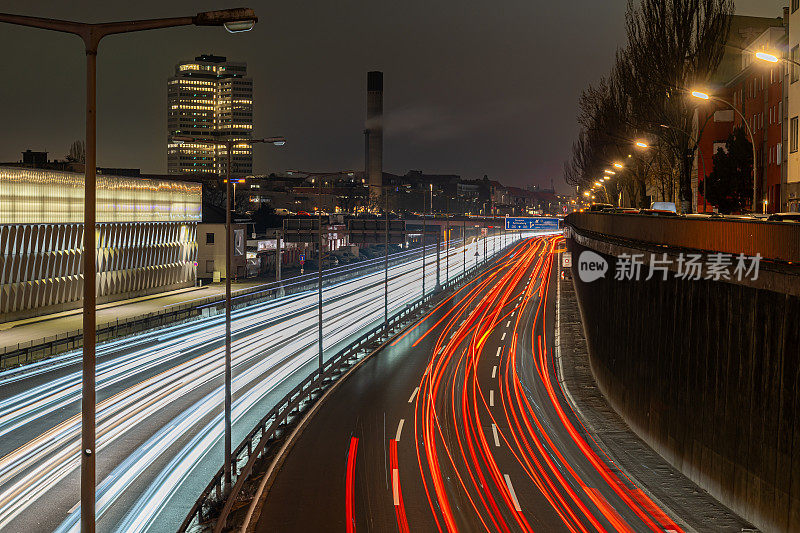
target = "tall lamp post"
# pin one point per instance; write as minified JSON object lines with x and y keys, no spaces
{"x":234,"y":20}
{"x":229,"y":145}
{"x":705,"y":96}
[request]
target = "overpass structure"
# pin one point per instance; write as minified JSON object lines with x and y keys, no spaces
{"x":692,"y":329}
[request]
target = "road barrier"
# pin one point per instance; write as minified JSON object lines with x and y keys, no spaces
{"x":775,"y":241}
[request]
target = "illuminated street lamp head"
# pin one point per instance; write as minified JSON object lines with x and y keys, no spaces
{"x":598,"y":184}
{"x":234,"y":20}
{"x":763,"y":56}
{"x":586,"y":193}
{"x":701,"y":95}
{"x":618,"y":165}
{"x":609,"y":172}
{"x":642,"y":144}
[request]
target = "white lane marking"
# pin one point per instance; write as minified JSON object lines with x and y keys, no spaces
{"x":512,"y":493}
{"x":503,"y":337}
{"x":494,"y":372}
{"x":399,"y":429}
{"x":499,"y":349}
{"x":396,"y":486}
{"x":513,"y":314}
{"x":496,"y":438}
{"x":508,"y":324}
{"x":491,"y":398}
{"x":413,"y":394}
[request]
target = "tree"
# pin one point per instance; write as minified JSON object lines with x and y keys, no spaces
{"x":730,"y":184}
{"x":265,"y":218}
{"x":77,"y":153}
{"x":673,"y":46}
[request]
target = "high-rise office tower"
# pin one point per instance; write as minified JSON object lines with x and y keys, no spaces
{"x":374,"y":131}
{"x":209,"y":98}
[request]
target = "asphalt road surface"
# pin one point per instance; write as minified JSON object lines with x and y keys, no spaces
{"x":460,"y":425}
{"x":159,"y":396}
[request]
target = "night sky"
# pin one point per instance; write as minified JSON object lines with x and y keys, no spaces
{"x":470,"y":87}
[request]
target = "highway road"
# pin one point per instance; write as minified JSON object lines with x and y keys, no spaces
{"x":460,"y":424}
{"x":159,"y":402}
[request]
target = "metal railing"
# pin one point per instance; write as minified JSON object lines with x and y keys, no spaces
{"x":261,"y":444}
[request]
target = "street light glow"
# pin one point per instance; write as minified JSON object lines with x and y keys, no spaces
{"x":767,"y":57}
{"x":701,"y":95}
{"x":618,"y":165}
{"x":609,"y":172}
{"x":641,"y":144}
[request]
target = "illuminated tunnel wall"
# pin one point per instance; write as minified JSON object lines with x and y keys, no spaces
{"x":146,"y":237}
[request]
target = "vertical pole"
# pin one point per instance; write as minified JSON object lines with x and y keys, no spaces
{"x":438,"y":258}
{"x":447,"y":251}
{"x":228,"y":274}
{"x":88,"y":398}
{"x":423,"y":246}
{"x":319,"y":275}
{"x":484,"y":241}
{"x":464,"y":242}
{"x":386,"y":266}
{"x":278,"y":261}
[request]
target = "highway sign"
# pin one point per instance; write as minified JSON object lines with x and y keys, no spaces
{"x":302,"y":258}
{"x":532,"y":223}
{"x":566,"y":259}
{"x":373,"y":231}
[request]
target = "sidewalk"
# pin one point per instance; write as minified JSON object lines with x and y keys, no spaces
{"x":36,"y":328}
{"x":692,"y":506}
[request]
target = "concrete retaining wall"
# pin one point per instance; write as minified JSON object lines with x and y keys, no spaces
{"x":708,"y":373}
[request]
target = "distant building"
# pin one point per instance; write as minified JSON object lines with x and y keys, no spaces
{"x":210,"y":98}
{"x":145,"y":239}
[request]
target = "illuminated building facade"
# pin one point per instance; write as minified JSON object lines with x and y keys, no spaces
{"x":146,"y":238}
{"x":210,"y":98}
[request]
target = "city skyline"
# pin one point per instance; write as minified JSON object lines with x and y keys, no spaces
{"x":459,"y":98}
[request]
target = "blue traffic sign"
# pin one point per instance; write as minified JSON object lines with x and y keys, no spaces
{"x":532,"y":224}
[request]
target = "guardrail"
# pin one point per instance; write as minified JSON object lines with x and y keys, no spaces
{"x":775,"y":241}
{"x":264,"y":440}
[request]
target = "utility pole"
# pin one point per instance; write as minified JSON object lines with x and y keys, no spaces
{"x":278,"y":260}
{"x":447,"y":251}
{"x":464,"y":243}
{"x":438,"y":258}
{"x":484,"y":241}
{"x":386,"y":267}
{"x":319,"y":271}
{"x":228,"y":269}
{"x":423,"y":246}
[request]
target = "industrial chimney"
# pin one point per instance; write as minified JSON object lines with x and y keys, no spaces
{"x":374,"y":131}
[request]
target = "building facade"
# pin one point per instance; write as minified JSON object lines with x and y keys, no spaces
{"x":791,"y":192}
{"x":758,"y":92}
{"x":145,"y":238}
{"x":211,"y":99}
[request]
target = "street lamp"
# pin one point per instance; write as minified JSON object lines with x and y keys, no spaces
{"x":233,"y":20}
{"x":767,"y":57}
{"x":641,"y":144}
{"x":229,"y":144}
{"x":706,"y":96}
{"x":618,"y":165}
